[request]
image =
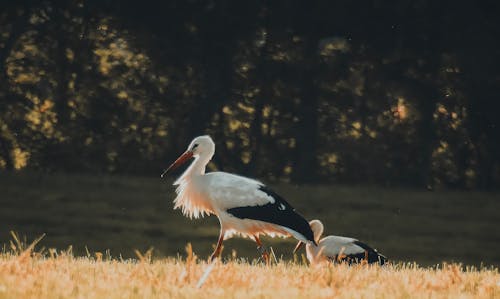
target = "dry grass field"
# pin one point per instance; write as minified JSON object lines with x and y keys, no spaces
{"x":92,"y":226}
{"x":61,"y":275}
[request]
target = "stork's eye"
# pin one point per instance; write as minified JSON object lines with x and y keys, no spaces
{"x":195,"y":146}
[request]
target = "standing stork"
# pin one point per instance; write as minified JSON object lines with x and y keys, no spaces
{"x":337,"y":248}
{"x":244,"y":206}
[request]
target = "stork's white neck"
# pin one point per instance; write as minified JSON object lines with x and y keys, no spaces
{"x":197,"y":167}
{"x":318,"y":234}
{"x":317,"y":228}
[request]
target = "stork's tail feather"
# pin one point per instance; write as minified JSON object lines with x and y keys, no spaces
{"x":372,"y":255}
{"x":381,"y":259}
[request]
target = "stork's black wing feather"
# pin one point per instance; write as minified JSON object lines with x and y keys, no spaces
{"x":371,"y":255}
{"x":280,"y":212}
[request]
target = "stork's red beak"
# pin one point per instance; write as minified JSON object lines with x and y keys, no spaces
{"x":299,"y":245}
{"x":181,"y":160}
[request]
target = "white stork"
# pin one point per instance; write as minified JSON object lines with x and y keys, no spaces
{"x":244,"y":206}
{"x":337,"y":248}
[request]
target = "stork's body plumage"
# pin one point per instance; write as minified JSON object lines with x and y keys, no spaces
{"x":340,"y":249}
{"x":244,"y":206}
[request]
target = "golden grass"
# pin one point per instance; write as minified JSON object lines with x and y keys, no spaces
{"x":25,"y":274}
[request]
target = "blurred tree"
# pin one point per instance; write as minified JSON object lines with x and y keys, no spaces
{"x":397,"y":92}
{"x":14,"y":21}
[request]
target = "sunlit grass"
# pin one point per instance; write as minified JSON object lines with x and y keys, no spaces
{"x":25,"y":273}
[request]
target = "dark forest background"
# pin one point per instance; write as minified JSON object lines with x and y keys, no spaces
{"x":382,"y":92}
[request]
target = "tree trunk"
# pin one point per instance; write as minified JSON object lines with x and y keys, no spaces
{"x":256,"y":132}
{"x":6,"y":152}
{"x":426,"y":138}
{"x":306,"y":161}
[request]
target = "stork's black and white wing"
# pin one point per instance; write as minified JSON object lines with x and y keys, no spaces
{"x":279,"y":212}
{"x":350,"y":250}
{"x":249,"y":199}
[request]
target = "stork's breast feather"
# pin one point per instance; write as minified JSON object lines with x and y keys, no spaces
{"x":192,"y":203}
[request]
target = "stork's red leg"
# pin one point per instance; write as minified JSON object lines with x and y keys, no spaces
{"x":218,"y":249}
{"x":262,"y":250}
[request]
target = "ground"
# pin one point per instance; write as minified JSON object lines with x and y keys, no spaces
{"x":117,"y":214}
{"x":98,"y":230}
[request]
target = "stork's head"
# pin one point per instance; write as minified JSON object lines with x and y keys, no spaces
{"x":201,"y":146}
{"x":317,"y":228}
